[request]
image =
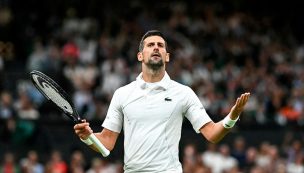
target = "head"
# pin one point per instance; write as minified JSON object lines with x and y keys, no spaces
{"x":153,"y":50}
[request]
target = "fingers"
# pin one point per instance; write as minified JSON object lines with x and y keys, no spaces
{"x":81,"y":125}
{"x":83,"y":130}
{"x":242,"y":100}
{"x":239,"y":105}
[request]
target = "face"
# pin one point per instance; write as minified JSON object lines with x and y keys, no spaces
{"x":154,"y":54}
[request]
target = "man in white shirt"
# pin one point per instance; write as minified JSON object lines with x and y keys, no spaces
{"x":151,"y":110}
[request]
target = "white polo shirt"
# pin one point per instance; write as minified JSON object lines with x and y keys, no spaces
{"x":152,"y":119}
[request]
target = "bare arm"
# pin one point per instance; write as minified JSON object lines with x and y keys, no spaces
{"x":106,"y":137}
{"x":214,"y":132}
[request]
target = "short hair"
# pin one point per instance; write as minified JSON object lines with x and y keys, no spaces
{"x":149,"y":34}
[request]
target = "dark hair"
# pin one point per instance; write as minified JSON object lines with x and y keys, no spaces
{"x":149,"y":34}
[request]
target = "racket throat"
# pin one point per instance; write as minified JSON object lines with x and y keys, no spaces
{"x":76,"y":118}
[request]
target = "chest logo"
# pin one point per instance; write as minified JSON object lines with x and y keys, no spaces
{"x":168,"y":99}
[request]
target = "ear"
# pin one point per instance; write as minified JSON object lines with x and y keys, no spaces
{"x":167,"y":57}
{"x":140,"y":56}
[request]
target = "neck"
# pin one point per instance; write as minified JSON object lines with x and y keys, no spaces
{"x":151,"y":76}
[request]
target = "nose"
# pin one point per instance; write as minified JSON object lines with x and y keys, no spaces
{"x":156,"y":47}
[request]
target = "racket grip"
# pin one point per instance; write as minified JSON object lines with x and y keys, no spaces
{"x":101,"y":148}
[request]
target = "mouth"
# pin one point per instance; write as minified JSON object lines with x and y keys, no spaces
{"x":155,"y":55}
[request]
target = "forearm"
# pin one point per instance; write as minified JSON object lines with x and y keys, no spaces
{"x":107,"y":138}
{"x":214,"y":132}
{"x":107,"y":141}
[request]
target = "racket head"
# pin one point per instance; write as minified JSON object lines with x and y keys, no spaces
{"x":53,"y":92}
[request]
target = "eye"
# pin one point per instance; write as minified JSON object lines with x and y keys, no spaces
{"x":161,"y":45}
{"x":150,"y":44}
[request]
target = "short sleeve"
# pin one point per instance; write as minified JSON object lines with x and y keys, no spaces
{"x":195,"y":111}
{"x":114,"y":118}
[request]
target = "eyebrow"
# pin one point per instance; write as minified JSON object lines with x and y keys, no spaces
{"x":155,"y":42}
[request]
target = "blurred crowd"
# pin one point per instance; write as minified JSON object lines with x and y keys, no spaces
{"x":237,"y":157}
{"x":90,"y":50}
{"x":220,"y":53}
{"x":31,"y":163}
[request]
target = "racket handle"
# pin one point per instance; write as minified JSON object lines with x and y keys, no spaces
{"x":101,"y":148}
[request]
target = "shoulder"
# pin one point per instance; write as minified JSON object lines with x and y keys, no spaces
{"x":181,"y":87}
{"x":183,"y":91}
{"x":126,"y":89}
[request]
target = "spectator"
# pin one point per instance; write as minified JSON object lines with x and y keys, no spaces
{"x":25,"y":107}
{"x":77,"y":163}
{"x":38,"y":58}
{"x":297,"y":166}
{"x":226,"y":163}
{"x":251,"y":157}
{"x":6,"y":106}
{"x":294,"y":151}
{"x":56,"y":163}
{"x":211,"y":157}
{"x":263,"y":159}
{"x":276,"y":162}
{"x":17,"y":132}
{"x":30,"y":164}
{"x":98,"y":165}
{"x":9,"y":165}
{"x":239,"y":151}
{"x":190,"y":158}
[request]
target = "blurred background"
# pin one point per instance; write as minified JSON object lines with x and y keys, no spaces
{"x":218,"y":48}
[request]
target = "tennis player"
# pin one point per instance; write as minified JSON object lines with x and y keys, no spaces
{"x":151,"y":109}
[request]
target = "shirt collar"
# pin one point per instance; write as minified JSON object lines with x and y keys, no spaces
{"x":164,"y":83}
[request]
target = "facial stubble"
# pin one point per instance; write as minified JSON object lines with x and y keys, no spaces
{"x":155,"y":65}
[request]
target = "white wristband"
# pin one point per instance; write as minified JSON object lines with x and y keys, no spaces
{"x":87,"y":141}
{"x":228,"y":123}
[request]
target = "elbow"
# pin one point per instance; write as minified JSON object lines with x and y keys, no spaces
{"x":213,"y":137}
{"x":212,"y":132}
{"x":214,"y":141}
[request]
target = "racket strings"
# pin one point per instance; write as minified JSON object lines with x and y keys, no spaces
{"x":52,"y":93}
{"x":58,"y":99}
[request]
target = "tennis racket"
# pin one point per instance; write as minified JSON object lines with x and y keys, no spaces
{"x":53,"y":92}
